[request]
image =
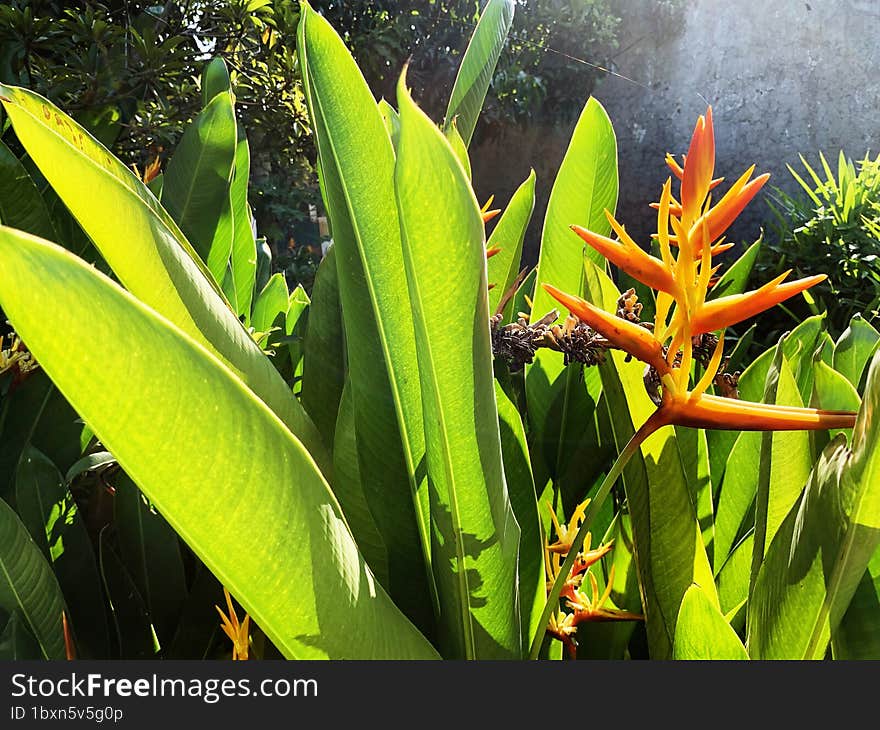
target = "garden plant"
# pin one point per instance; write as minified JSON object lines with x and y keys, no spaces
{"x":439,"y":453}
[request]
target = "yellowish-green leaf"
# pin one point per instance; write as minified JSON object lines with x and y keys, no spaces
{"x":475,"y":536}
{"x":222,"y":469}
{"x":701,"y":631}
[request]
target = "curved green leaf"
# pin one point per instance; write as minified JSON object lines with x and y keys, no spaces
{"x":155,"y":400}
{"x":51,"y":515}
{"x":701,"y":631}
{"x":737,"y":498}
{"x":145,"y":248}
{"x":28,"y":586}
{"x":21,"y":205}
{"x":508,"y":235}
{"x":733,"y":582}
{"x":832,"y":392}
{"x":349,"y":489}
{"x":272,"y":301}
{"x":215,"y":79}
{"x":324,"y":355}
{"x":475,"y":537}
{"x":391,"y":119}
{"x":521,"y":486}
{"x":821,"y":552}
{"x":854,"y":349}
{"x":785,"y":462}
{"x":236,"y":226}
{"x":151,"y":553}
{"x":197,"y":177}
{"x":357,"y":175}
{"x":458,"y":146}
{"x":559,"y":399}
{"x":478,"y":66}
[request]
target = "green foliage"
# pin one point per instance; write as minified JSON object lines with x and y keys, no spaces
{"x":530,"y":84}
{"x":130,"y":73}
{"x":360,"y":468}
{"x":833,"y":228}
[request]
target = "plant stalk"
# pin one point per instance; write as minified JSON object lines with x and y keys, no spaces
{"x":657,"y":420}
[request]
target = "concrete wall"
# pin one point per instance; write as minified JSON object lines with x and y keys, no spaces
{"x":783,"y":77}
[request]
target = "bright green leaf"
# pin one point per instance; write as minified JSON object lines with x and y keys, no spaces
{"x":357,"y":174}
{"x":300,"y":577}
{"x":475,"y":537}
{"x":51,"y":515}
{"x":197,"y":177}
{"x":701,"y":631}
{"x":145,"y":248}
{"x":478,"y":66}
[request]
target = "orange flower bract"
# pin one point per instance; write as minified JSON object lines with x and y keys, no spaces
{"x":682,"y":280}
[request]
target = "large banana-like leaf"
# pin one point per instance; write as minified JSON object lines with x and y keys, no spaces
{"x":508,"y":235}
{"x":824,"y":546}
{"x":27,"y":585}
{"x":145,"y":248}
{"x":560,"y":400}
{"x":217,"y":463}
{"x":735,"y":515}
{"x":668,"y":544}
{"x":197,"y":178}
{"x":478,"y":67}
{"x":215,"y":79}
{"x":356,"y":163}
{"x":475,"y":536}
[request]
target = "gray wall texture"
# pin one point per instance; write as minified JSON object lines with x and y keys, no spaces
{"x":783,"y":78}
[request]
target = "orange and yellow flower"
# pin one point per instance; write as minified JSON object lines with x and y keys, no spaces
{"x":689,"y":234}
{"x":238,"y":632}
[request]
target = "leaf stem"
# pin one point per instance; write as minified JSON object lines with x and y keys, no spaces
{"x":657,"y":420}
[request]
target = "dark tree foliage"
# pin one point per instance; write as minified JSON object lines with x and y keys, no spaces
{"x":541,"y":74}
{"x":129,"y":70}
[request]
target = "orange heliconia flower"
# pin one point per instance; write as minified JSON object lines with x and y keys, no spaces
{"x":682,"y":281}
{"x":238,"y":632}
{"x":487,"y":214}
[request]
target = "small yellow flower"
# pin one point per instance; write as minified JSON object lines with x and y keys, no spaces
{"x":592,"y":608}
{"x":238,"y":633}
{"x":489,"y":214}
